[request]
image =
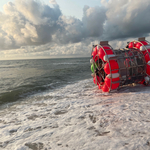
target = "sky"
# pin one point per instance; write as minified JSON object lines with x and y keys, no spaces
{"x":31,"y":29}
{"x":68,"y":7}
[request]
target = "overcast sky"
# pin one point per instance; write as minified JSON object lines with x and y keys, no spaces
{"x":68,"y":28}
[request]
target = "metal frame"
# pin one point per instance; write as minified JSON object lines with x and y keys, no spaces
{"x":119,"y":55}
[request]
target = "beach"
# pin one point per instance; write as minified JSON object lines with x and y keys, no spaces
{"x":76,"y":115}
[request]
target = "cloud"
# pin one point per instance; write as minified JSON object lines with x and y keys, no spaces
{"x":74,"y":30}
{"x":30,"y":26}
{"x":53,"y":2}
{"x":93,"y":20}
{"x":49,"y":51}
{"x":71,"y":30}
{"x":127,"y":18}
{"x":27,"y":22}
{"x":30,"y":22}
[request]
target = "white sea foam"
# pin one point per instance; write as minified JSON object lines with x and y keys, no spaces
{"x":80,"y":117}
{"x":66,"y":63}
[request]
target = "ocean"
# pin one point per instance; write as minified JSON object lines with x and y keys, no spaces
{"x":53,"y":104}
{"x":22,"y":78}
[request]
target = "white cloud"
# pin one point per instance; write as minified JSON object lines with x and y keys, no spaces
{"x":127,"y":18}
{"x":93,"y":20}
{"x":32,"y":27}
{"x":28,"y":22}
{"x":53,"y":2}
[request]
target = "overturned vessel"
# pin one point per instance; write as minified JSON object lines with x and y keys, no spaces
{"x":114,"y":68}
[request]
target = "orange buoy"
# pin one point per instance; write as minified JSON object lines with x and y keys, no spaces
{"x":148,"y":68}
{"x":132,"y":44}
{"x":114,"y":67}
{"x":94,"y":55}
{"x":101,"y":85}
{"x":96,"y":80}
{"x":139,"y":44}
{"x":147,"y":57}
{"x":101,"y":52}
{"x":113,"y":85}
{"x":105,"y":88}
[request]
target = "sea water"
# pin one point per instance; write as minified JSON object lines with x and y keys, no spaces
{"x":21,"y":78}
{"x":53,"y":104}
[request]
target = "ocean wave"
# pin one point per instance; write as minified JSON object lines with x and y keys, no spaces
{"x":13,"y":66}
{"x":35,"y":76}
{"x":65,"y":63}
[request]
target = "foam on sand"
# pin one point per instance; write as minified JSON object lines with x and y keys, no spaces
{"x":78,"y":116}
